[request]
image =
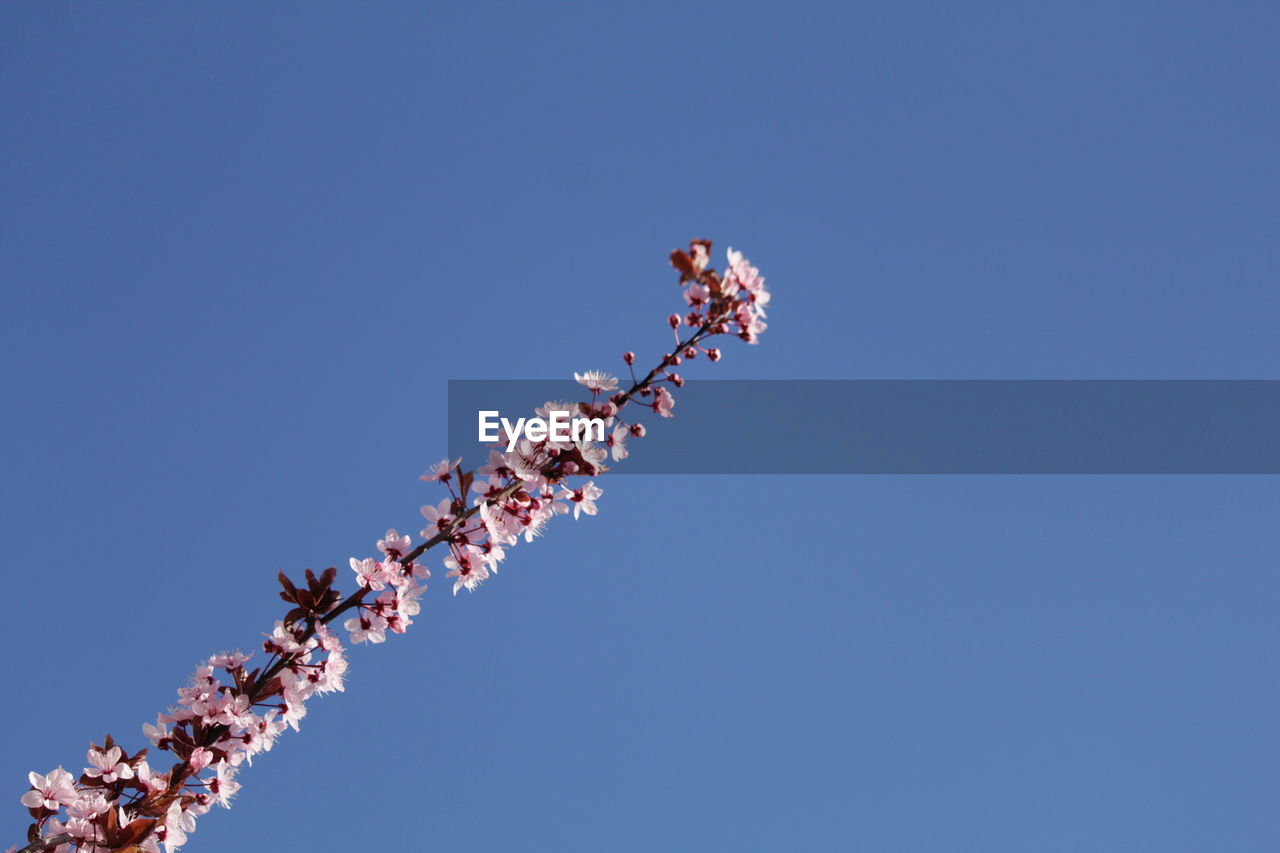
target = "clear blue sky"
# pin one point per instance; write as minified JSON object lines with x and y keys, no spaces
{"x":243,"y":247}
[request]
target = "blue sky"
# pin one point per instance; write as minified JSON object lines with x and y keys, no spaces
{"x":243,"y":248}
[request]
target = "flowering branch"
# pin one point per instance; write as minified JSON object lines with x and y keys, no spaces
{"x":221,"y":722}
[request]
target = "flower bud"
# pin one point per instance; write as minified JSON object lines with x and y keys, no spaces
{"x":674,"y":321}
{"x":713,"y":354}
{"x":629,"y":357}
{"x":200,"y":759}
{"x":637,"y":430}
{"x":690,"y":352}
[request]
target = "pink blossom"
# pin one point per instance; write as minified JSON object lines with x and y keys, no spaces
{"x":82,"y":830}
{"x":229,"y":710}
{"x":497,"y":466}
{"x":178,"y":823}
{"x":230,"y":660}
{"x":223,"y":786}
{"x":295,"y":708}
{"x":89,"y":805}
{"x":663,"y":402}
{"x":489,"y":489}
{"x":442,"y":471}
{"x":51,"y":792}
{"x":750,"y":324}
{"x":283,"y":640}
{"x":527,"y":461}
{"x":398,"y":606}
{"x":583,"y":499}
{"x":369,"y":573}
{"x":157,"y":734}
{"x":263,"y":735}
{"x":741,"y":271}
{"x":492,"y":553}
{"x":152,"y":781}
{"x":468,"y":566}
{"x":367,"y":628}
{"x":107,"y":765}
{"x":595,"y":457}
{"x":326,"y":639}
{"x":395,"y":546}
{"x":596,"y":382}
{"x":617,"y":443}
{"x":498,"y":524}
{"x":697,"y":295}
{"x":333,"y":673}
{"x":438,"y":517}
{"x":535,"y":526}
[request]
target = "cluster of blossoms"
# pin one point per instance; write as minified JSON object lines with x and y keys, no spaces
{"x":229,"y":713}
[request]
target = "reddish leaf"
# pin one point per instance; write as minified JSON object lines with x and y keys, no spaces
{"x":290,"y":593}
{"x":681,"y":261}
{"x":135,"y":832}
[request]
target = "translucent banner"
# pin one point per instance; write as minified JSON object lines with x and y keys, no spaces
{"x":920,"y":426}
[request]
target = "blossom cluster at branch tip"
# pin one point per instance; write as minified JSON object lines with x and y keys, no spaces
{"x":230,"y":713}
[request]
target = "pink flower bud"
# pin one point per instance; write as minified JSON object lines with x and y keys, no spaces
{"x":629,"y":357}
{"x":713,"y":354}
{"x":200,"y":759}
{"x":690,"y":352}
{"x":678,"y":380}
{"x":608,"y":410}
{"x":637,"y":430}
{"x":674,"y":321}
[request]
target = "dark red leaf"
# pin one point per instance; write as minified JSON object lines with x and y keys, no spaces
{"x":290,"y":592}
{"x":681,"y":261}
